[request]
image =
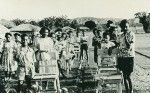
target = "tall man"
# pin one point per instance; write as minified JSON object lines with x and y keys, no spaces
{"x":126,"y":54}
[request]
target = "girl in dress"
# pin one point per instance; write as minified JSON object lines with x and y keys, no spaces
{"x":70,"y":51}
{"x":45,"y":53}
{"x":26,"y":69}
{"x":8,"y":56}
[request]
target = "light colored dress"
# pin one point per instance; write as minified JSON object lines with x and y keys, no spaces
{"x":62,"y":50}
{"x":46,"y":56}
{"x":17,"y":47}
{"x":8,"y":57}
{"x":70,"y":50}
{"x":26,"y":62}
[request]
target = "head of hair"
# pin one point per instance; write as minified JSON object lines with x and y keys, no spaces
{"x":51,"y":34}
{"x":108,"y":23}
{"x":123,"y":22}
{"x":7,"y":34}
{"x":62,"y":35}
{"x":23,"y":36}
{"x":105,"y":35}
{"x":43,"y":29}
{"x":17,"y":34}
{"x":58,"y":29}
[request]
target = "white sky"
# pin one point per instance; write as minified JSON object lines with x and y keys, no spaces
{"x":37,"y":9}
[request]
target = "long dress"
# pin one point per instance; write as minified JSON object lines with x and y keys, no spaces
{"x":8,"y":57}
{"x":26,"y":63}
{"x":106,"y":58}
{"x":62,"y":52}
{"x":46,"y":56}
{"x":70,"y":50}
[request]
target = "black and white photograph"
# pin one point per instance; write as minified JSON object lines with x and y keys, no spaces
{"x":74,"y":46}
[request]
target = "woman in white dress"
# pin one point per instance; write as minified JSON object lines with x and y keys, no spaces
{"x":8,"y":56}
{"x":45,"y":53}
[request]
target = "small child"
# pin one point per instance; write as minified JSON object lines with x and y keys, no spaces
{"x":106,"y":52}
{"x":83,"y":46}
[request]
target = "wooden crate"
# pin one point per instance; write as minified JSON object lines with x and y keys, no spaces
{"x":47,"y":83}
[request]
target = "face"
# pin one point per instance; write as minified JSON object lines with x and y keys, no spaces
{"x":8,"y":38}
{"x":17,"y":38}
{"x":70,"y":34}
{"x":125,"y":27}
{"x":53,"y":35}
{"x":25,"y":41}
{"x":46,"y":32}
{"x":64,"y":36}
{"x":107,"y":38}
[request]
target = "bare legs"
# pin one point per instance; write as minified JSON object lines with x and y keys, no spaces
{"x":127,"y":82}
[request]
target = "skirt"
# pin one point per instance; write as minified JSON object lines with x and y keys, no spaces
{"x":125,"y":64}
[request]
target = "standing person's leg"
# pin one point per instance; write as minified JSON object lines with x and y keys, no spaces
{"x":21,"y":78}
{"x":95,"y":55}
{"x":81,"y":52}
{"x":86,"y":51}
{"x":28,"y":81}
{"x":125,"y":82}
{"x":6,"y":75}
{"x":20,"y":84}
{"x":130,"y":70}
{"x":129,"y":83}
{"x":10,"y":74}
{"x":60,"y":69}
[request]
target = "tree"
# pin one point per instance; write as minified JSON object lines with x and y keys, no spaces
{"x":33,"y":23}
{"x":145,"y":20}
{"x":54,"y":21}
{"x":90,"y":24}
{"x":61,"y":22}
{"x":19,"y":21}
{"x":47,"y":22}
{"x":74,"y":24}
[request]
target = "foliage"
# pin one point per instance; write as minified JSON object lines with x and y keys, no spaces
{"x":74,"y":24}
{"x":54,"y":21}
{"x":90,"y":24}
{"x":19,"y":21}
{"x":145,"y":20}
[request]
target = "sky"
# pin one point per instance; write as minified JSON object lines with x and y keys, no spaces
{"x":38,"y":9}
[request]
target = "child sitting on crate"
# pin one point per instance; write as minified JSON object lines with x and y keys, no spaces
{"x":107,"y":59}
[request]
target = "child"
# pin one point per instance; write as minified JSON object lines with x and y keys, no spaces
{"x":8,"y":61}
{"x":26,"y":69}
{"x":83,"y":46}
{"x":106,"y":51}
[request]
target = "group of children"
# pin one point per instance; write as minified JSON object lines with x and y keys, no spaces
{"x":57,"y":48}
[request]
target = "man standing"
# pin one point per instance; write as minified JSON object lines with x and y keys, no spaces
{"x":126,"y":54}
{"x":96,"y":43}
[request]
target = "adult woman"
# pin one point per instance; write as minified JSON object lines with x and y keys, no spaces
{"x":126,"y":54}
{"x":26,"y":69}
{"x":45,"y":52}
{"x":8,"y":56}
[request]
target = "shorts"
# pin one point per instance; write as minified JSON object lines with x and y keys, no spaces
{"x":125,"y":64}
{"x":84,"y":47}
